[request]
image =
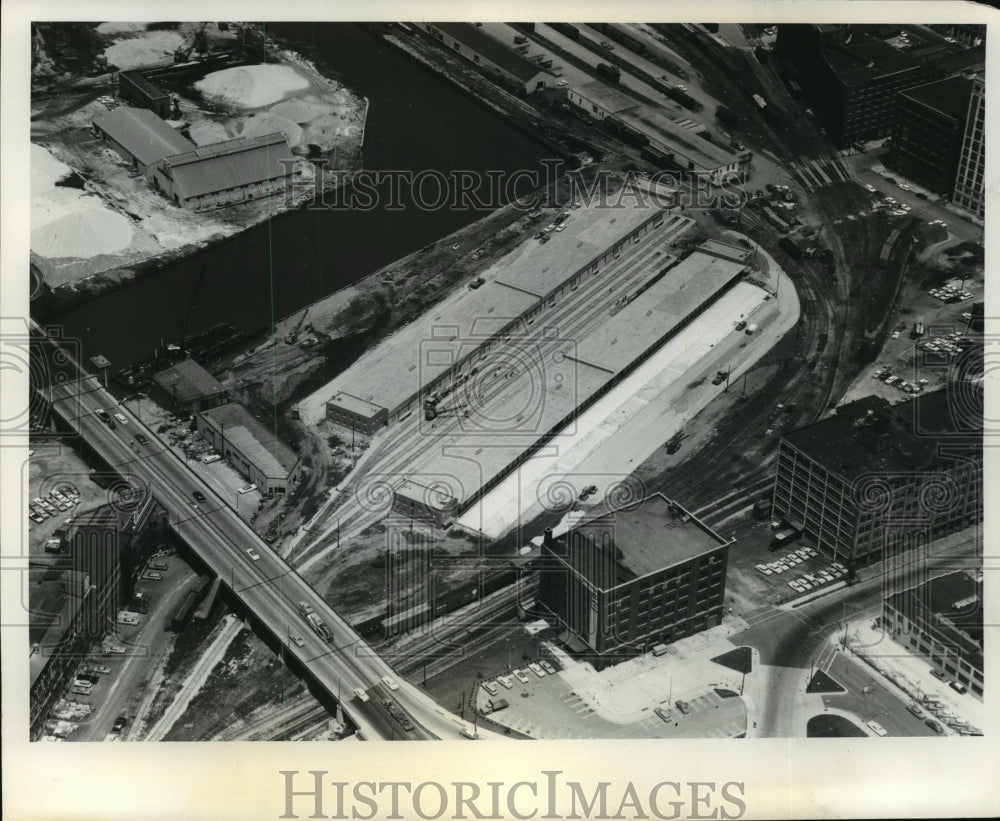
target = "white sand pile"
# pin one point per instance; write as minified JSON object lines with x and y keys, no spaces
{"x":260,"y":124}
{"x":298,"y":111}
{"x":45,"y":170}
{"x":82,"y":229}
{"x":205,"y":133}
{"x":120,"y":28}
{"x":66,"y":222}
{"x":252,"y":86}
{"x":151,"y":47}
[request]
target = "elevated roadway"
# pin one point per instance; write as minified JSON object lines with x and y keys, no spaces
{"x":268,"y":587}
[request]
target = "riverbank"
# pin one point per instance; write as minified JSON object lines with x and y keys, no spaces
{"x":96,"y":226}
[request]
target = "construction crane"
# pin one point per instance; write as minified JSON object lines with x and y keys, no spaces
{"x":293,"y":334}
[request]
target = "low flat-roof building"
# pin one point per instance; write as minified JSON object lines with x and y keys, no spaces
{"x":631,"y":578}
{"x":254,"y":450}
{"x":357,"y":414}
{"x":138,"y":90}
{"x":223,"y":173}
{"x":140,"y":137}
{"x":552,"y":380}
{"x":675,"y":142}
{"x":506,"y":66}
{"x":876,"y":475}
{"x":187,"y":388}
{"x":444,"y":343}
{"x":941,"y":621}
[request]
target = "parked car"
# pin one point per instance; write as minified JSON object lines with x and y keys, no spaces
{"x":958,"y":687}
{"x":521,"y":676}
{"x":247,"y":488}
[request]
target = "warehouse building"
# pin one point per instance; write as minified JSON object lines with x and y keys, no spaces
{"x":629,"y":579}
{"x":140,"y":137}
{"x":255,"y":451}
{"x":505,"y":65}
{"x":941,"y":621}
{"x":554,"y":380}
{"x":442,"y":346}
{"x":972,"y":157}
{"x":679,"y":146}
{"x":875,"y":474}
{"x":850,"y":77}
{"x":136,"y":88}
{"x":232,"y":171}
{"x":928,"y":131}
{"x":187,"y":388}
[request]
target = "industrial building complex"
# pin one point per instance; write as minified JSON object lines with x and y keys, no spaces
{"x":188,"y":388}
{"x":873,"y":475}
{"x":391,"y":381}
{"x":626,"y":580}
{"x":256,"y":452}
{"x":197,"y":177}
{"x":553,"y":380}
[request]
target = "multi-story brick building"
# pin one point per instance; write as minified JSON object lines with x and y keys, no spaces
{"x":941,"y":620}
{"x":873,"y":474}
{"x":630,"y":578}
{"x":928,"y":131}
{"x":850,"y":77}
{"x":969,"y":177}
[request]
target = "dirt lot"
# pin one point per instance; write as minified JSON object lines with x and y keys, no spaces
{"x":248,"y":676}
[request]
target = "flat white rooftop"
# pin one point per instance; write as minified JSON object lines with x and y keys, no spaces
{"x":395,"y":370}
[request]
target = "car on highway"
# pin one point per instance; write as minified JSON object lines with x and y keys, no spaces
{"x":679,"y":87}
{"x":905,"y":187}
{"x":297,"y":640}
{"x":198,"y":496}
{"x":253,"y":554}
{"x":121,"y":418}
{"x":390,"y":682}
{"x":916,"y":709}
{"x":120,"y":723}
{"x":606,"y":45}
{"x":101,"y":669}
{"x":142,"y":440}
{"x":522,"y":677}
{"x":871,"y":189}
{"x":895,"y":334}
{"x":102,"y":414}
{"x":877,"y":728}
{"x":937,"y":728}
{"x":362,"y":695}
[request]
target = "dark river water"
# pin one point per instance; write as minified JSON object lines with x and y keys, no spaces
{"x":416,"y":121}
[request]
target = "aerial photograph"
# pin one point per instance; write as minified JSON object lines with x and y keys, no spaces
{"x":485,"y":381}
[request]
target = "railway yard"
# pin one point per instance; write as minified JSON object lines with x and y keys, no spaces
{"x":581,"y":358}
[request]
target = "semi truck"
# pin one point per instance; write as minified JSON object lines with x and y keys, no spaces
{"x":318,"y":625}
